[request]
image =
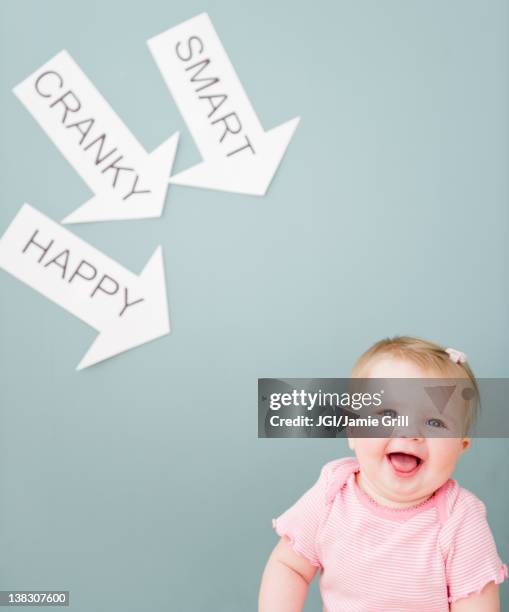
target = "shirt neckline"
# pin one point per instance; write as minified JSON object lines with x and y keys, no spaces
{"x":401,"y":514}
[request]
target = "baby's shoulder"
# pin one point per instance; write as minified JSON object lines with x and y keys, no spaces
{"x":457,"y":503}
{"x":335,"y":474}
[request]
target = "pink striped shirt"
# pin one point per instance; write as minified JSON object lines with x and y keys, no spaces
{"x":378,"y":559}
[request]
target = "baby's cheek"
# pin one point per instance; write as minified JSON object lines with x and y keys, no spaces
{"x":377,"y":446}
{"x":443,"y":454}
{"x":370,"y":449}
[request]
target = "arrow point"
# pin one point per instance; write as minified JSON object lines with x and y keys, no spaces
{"x":159,"y":168}
{"x":283,"y":133}
{"x":166,"y":152}
{"x":147,"y":320}
{"x":276,"y":142}
{"x":155,"y":172}
{"x":245,"y":173}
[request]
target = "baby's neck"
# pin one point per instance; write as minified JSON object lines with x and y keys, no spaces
{"x":384,"y":501}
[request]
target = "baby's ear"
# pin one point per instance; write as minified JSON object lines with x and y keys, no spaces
{"x":465,"y":443}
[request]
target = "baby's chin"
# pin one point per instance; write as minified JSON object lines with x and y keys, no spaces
{"x":410,"y":491}
{"x":410,"y":496}
{"x":408,"y":487}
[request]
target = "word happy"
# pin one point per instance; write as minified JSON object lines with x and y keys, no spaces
{"x":77,"y":271}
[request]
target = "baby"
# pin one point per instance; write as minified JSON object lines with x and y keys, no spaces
{"x":390,"y":531}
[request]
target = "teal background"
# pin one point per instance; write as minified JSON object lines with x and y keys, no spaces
{"x":140,"y":484}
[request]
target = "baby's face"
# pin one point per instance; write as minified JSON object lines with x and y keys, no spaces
{"x":405,"y":469}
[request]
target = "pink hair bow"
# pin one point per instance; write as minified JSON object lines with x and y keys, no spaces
{"x":456,"y":356}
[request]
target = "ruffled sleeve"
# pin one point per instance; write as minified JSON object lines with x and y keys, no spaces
{"x":471,"y":557}
{"x":302,"y":522}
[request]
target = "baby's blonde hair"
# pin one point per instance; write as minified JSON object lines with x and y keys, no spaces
{"x":427,"y":355}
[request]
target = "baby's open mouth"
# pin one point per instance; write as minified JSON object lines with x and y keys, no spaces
{"x":404,"y":463}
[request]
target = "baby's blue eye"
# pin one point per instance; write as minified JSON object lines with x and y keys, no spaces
{"x":390,"y":413}
{"x":435,"y":423}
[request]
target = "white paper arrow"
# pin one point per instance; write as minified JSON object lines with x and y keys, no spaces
{"x":239,"y":156}
{"x":128,"y":183}
{"x":127,"y":310}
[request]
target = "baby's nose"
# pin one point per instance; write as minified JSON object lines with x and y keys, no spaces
{"x":410,"y":431}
